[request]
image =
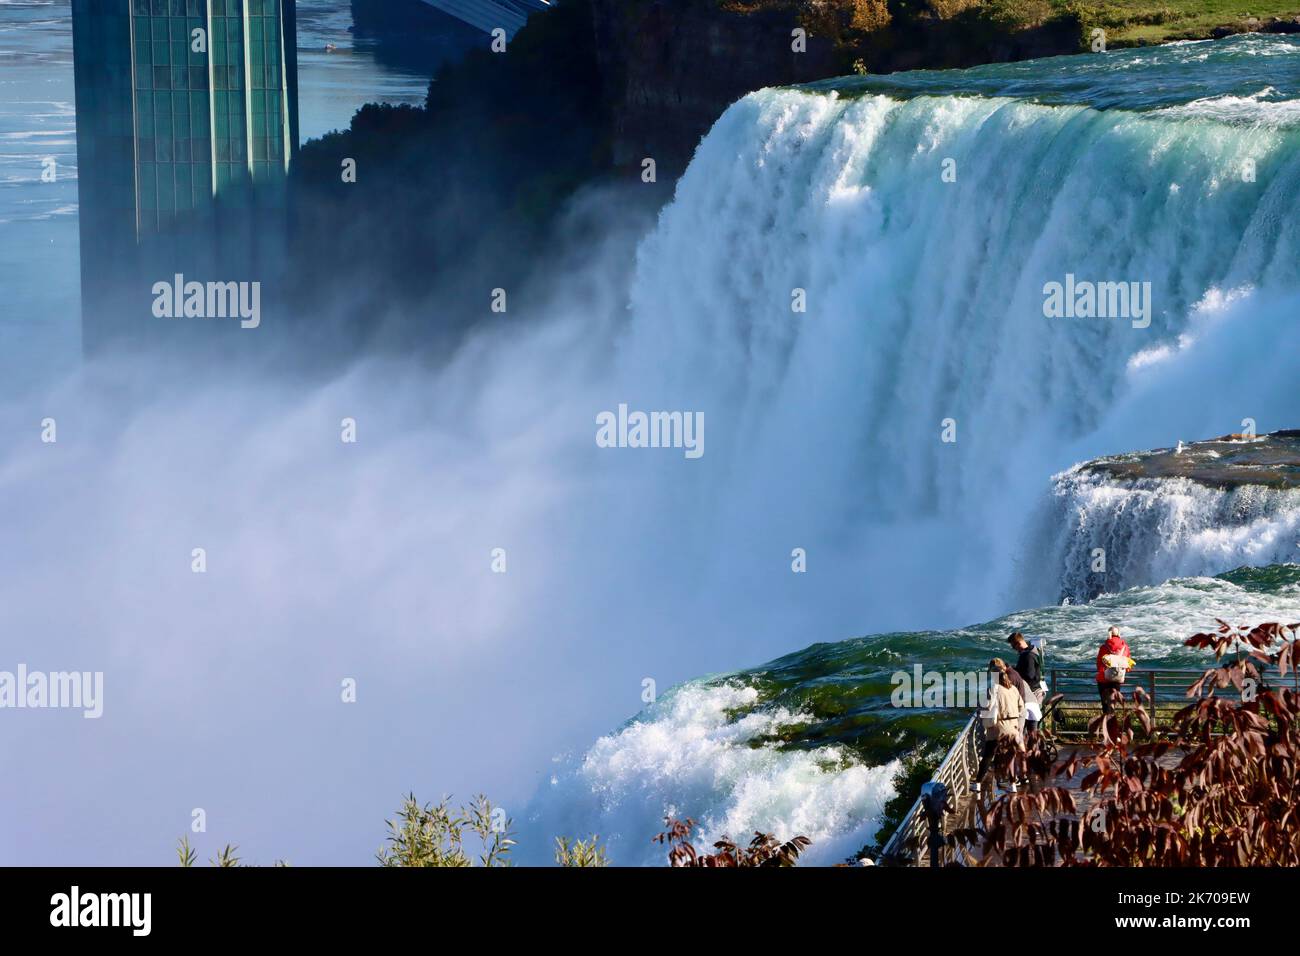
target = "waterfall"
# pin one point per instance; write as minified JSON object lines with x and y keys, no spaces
{"x":920,"y":233}
{"x":1109,"y":534}
{"x":852,"y":273}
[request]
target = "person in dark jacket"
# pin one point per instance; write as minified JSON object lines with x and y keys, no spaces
{"x":1028,"y":665}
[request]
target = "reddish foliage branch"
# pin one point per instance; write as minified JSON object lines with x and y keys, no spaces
{"x":763,"y":850}
{"x":1230,"y":800}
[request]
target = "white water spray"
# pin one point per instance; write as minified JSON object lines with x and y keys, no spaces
{"x":825,"y":434}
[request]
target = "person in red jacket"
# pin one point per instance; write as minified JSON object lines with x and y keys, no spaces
{"x":1106,"y":688}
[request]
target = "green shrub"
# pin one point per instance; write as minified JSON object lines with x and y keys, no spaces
{"x":915,"y":771}
{"x":1017,"y":14}
{"x":434,"y":834}
{"x":580,"y":852}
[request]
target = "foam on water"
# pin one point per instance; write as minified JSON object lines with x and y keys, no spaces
{"x":703,"y":751}
{"x":1160,"y":528}
{"x":1266,"y":107}
{"x":737,"y":754}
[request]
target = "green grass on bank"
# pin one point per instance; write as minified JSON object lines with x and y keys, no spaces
{"x":1129,"y":22}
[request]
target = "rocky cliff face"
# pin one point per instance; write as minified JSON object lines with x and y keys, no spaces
{"x":589,"y":89}
{"x":1224,"y":463}
{"x":670,"y":67}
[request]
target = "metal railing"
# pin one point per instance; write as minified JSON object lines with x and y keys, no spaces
{"x":908,"y":845}
{"x":1165,"y":690}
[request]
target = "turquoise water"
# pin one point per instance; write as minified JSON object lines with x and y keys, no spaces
{"x":40,"y":320}
{"x":1178,"y":167}
{"x":809,"y":743}
{"x":1237,"y":78}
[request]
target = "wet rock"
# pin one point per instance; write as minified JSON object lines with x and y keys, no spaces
{"x":1229,"y":461}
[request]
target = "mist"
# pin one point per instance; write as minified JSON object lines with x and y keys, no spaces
{"x":328,"y":561}
{"x":371,"y":561}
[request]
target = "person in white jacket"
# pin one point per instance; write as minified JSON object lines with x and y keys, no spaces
{"x":1033,"y":709}
{"x":1002,"y":715}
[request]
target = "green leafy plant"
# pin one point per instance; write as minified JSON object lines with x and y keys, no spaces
{"x":914,"y":771}
{"x":434,"y":834}
{"x":226,"y":857}
{"x":580,"y":852}
{"x":492,"y":827}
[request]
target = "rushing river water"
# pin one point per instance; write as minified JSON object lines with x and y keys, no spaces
{"x":809,"y":743}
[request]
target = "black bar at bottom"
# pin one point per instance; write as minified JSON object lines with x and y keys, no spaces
{"x":337,"y":905}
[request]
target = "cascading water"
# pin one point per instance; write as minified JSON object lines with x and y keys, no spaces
{"x":1108,"y":535}
{"x":925,"y":297}
{"x":823,"y":432}
{"x":807,"y":744}
{"x":921,"y":218}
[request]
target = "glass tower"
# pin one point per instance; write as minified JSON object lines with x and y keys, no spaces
{"x":179,"y":100}
{"x":187,"y":110}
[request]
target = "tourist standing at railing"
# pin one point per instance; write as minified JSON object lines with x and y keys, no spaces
{"x":1033,"y":712}
{"x":1001,"y":716}
{"x":1113,"y":665}
{"x":1029,"y":665}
